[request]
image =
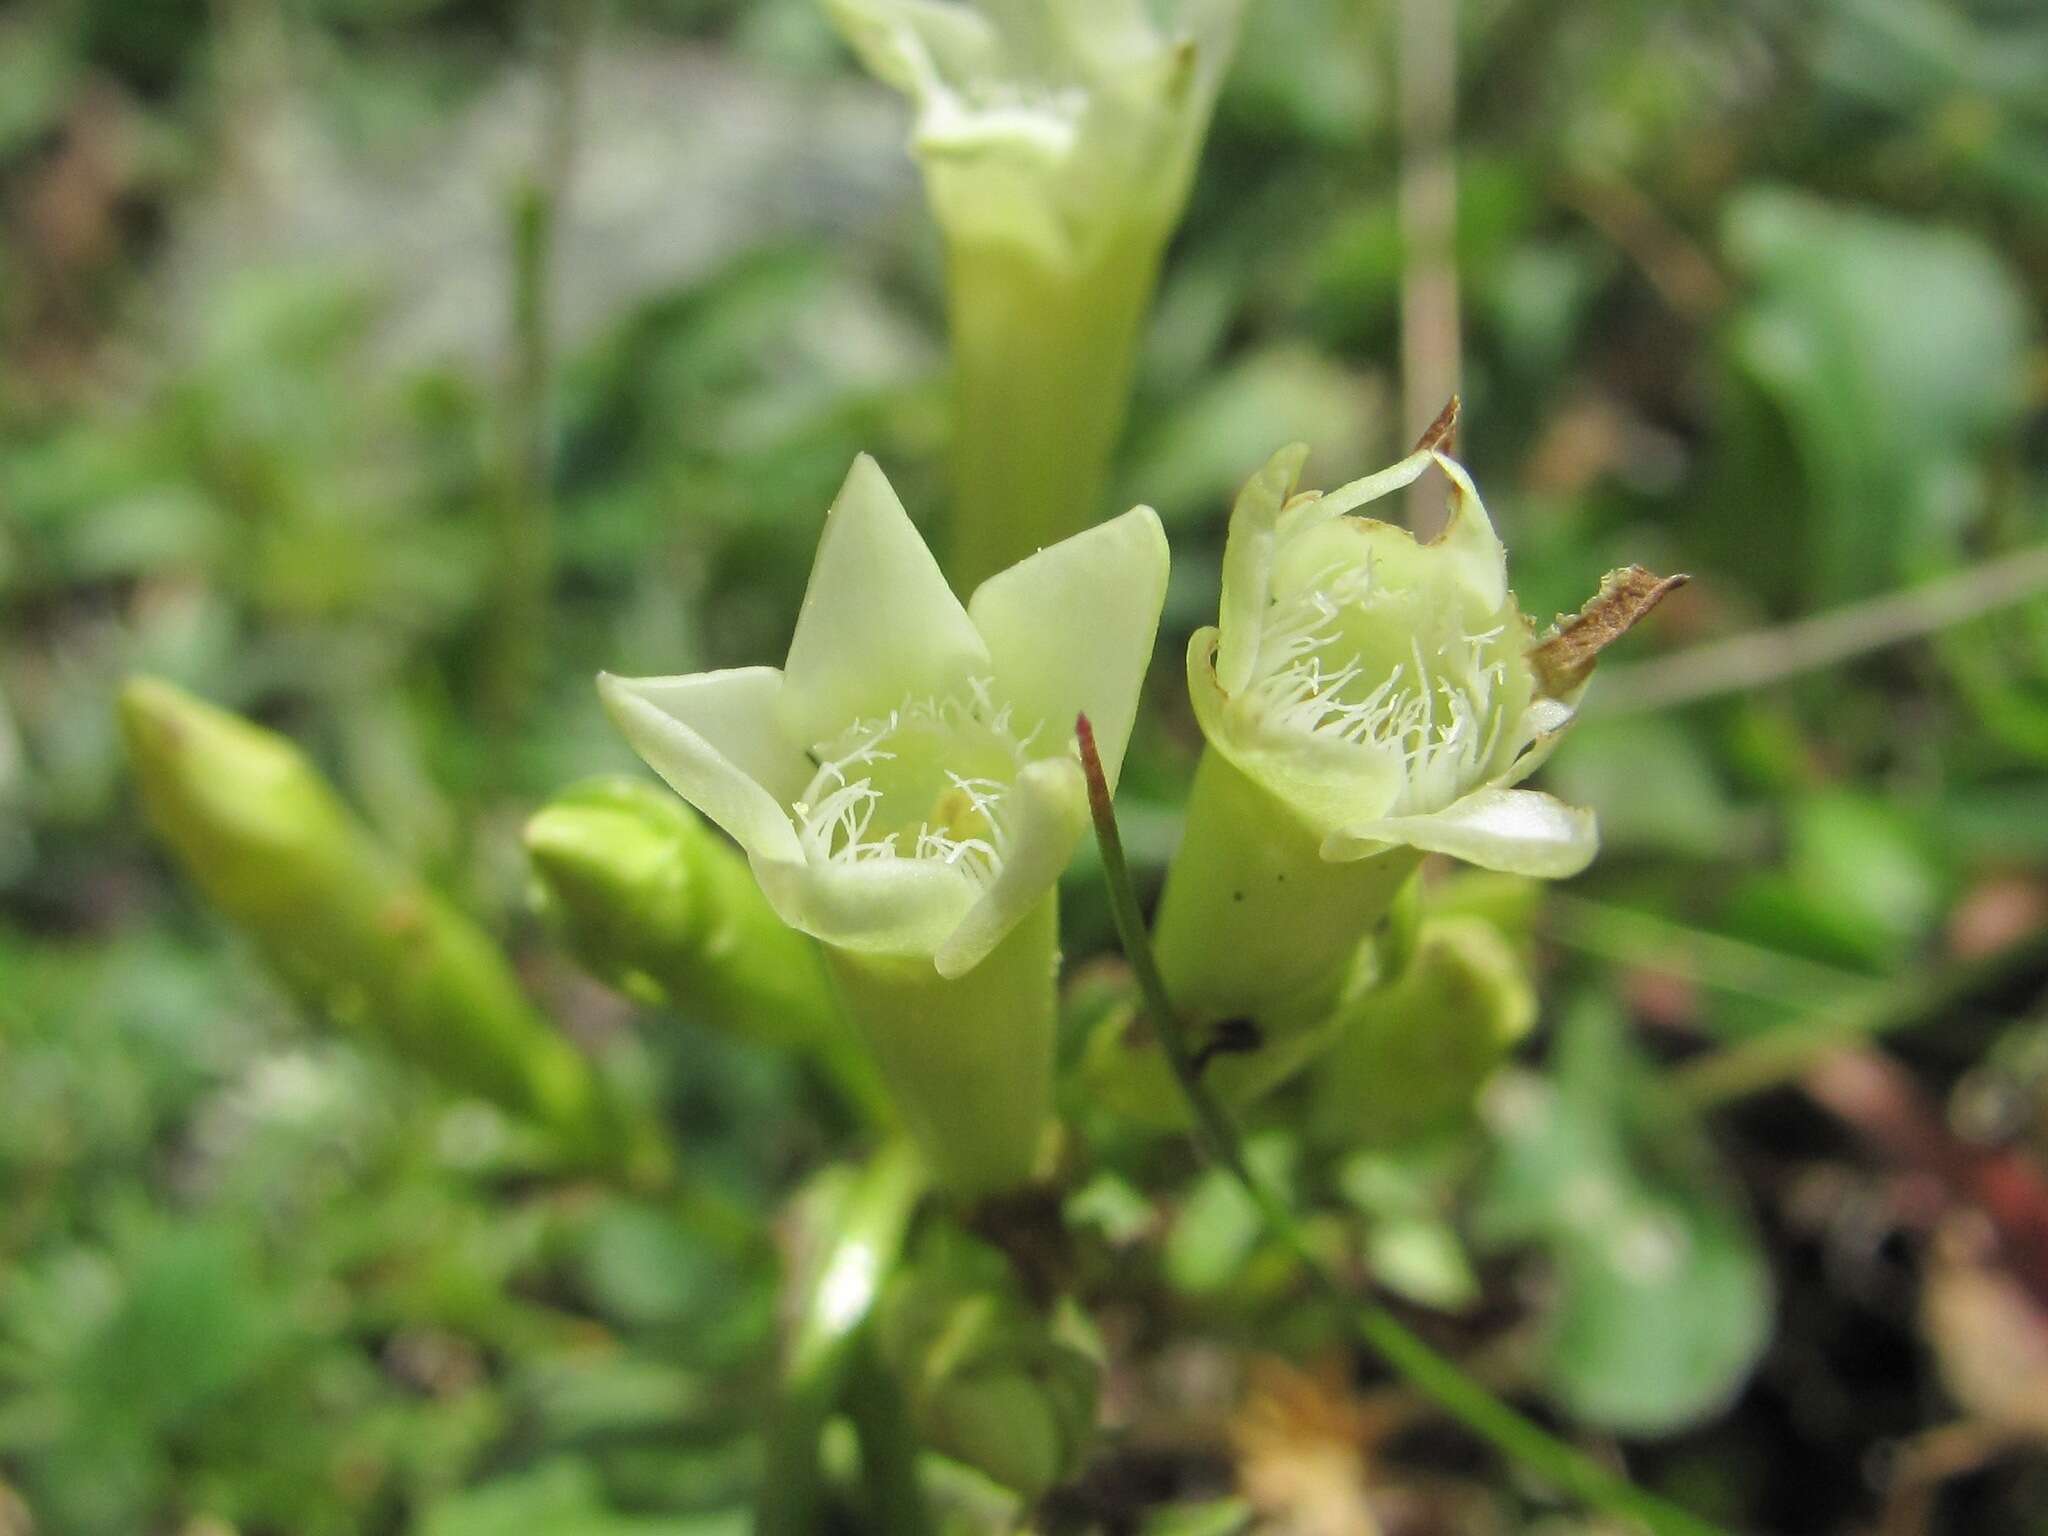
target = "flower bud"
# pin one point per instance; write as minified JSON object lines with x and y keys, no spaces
{"x":657,"y":904}
{"x":1411,"y":1057}
{"x":349,"y":928}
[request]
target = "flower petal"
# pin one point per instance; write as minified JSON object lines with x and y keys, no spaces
{"x":1370,"y":488}
{"x":1248,"y":564}
{"x":879,"y":624}
{"x":1468,"y":537}
{"x":1328,"y":783}
{"x":1050,"y":801}
{"x":897,"y":907}
{"x":1071,"y":629}
{"x":714,"y":737}
{"x":1519,"y":831}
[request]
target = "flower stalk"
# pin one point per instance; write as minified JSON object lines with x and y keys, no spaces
{"x":1434,"y":1375}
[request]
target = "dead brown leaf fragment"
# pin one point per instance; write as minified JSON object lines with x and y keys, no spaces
{"x":1564,"y":658}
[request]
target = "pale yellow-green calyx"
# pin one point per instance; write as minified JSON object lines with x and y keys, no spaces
{"x":907,"y":792}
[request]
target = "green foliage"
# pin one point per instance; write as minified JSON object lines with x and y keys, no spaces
{"x":1664,"y":1297}
{"x":1754,"y":292}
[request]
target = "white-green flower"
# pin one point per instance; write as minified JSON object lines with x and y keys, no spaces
{"x":1383,"y":689}
{"x":906,"y":784}
{"x":907,"y":792}
{"x":1046,"y":123}
{"x":1367,"y":698}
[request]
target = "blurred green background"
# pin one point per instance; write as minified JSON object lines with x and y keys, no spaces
{"x":382,"y":369}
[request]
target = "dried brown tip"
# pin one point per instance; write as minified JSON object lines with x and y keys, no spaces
{"x":1564,"y":659}
{"x":1439,"y":431}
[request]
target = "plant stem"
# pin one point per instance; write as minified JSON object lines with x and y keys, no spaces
{"x":1744,"y":663}
{"x":865,"y":1242}
{"x":522,"y":503}
{"x":1431,"y":344}
{"x":888,"y":1449}
{"x":1430,"y":1373}
{"x":1784,"y":1054}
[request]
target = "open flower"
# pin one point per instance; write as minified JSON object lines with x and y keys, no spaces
{"x":1367,"y":698}
{"x":1046,"y":124}
{"x":1058,"y":139}
{"x":907,"y":793}
{"x":1382,"y":688}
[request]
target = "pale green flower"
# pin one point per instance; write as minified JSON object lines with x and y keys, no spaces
{"x":1383,"y":688}
{"x":907,"y":792}
{"x":1367,"y":698}
{"x":1058,"y":139}
{"x":1046,"y":124}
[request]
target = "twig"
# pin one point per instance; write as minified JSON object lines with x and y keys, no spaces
{"x":522,"y":502}
{"x":1431,"y":343}
{"x":1785,"y":1054}
{"x":1714,"y":960}
{"x":1433,"y":1375}
{"x":1768,"y":656}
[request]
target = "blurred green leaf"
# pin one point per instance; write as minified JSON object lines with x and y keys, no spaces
{"x":1663,"y":1298}
{"x":1896,"y":353}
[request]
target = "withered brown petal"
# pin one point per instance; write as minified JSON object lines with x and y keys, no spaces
{"x":1564,"y":658}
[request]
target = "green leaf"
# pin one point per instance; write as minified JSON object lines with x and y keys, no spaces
{"x":562,"y":1498}
{"x":1662,"y":1294}
{"x":1894,"y":353}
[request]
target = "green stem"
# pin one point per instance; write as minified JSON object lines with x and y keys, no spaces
{"x":521,"y":506}
{"x":866,"y":1242}
{"x":888,"y":1449}
{"x":1430,"y":1373}
{"x":1043,"y":359}
{"x":1786,"y":1053}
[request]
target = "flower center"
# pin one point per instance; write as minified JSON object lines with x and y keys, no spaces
{"x":1402,"y":671}
{"x":925,"y":781}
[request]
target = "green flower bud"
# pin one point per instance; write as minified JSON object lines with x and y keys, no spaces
{"x":989,"y":1380}
{"x":907,"y":793}
{"x":1411,"y":1057}
{"x":349,"y":928}
{"x":662,"y":907}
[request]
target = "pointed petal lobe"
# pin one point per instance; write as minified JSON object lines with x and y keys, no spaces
{"x":715,"y":739}
{"x":899,"y":907}
{"x":1050,"y":813}
{"x":1248,"y":563}
{"x":1518,"y":831}
{"x":879,"y":623}
{"x":1071,"y":629}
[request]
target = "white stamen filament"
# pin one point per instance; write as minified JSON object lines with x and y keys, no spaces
{"x":1440,"y":709}
{"x":836,"y":816}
